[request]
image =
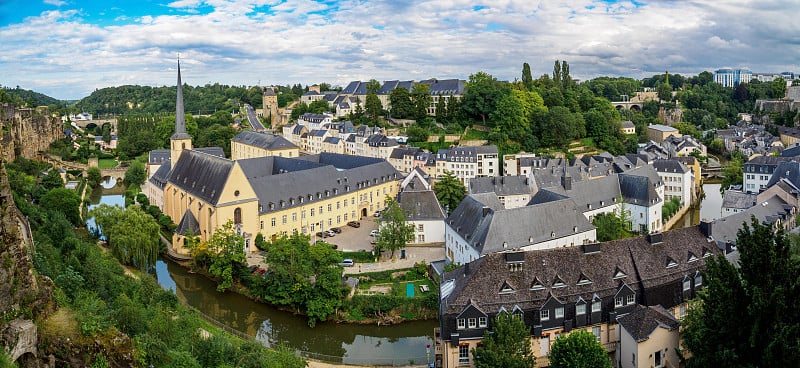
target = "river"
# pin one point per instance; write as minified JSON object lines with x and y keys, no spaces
{"x":710,"y":207}
{"x":350,"y":344}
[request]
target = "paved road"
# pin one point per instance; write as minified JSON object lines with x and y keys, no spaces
{"x":252,"y":118}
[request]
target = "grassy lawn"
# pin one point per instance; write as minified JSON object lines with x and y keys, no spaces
{"x":475,"y":135}
{"x":107,"y":163}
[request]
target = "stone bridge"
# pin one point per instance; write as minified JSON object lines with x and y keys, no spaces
{"x":629,"y":105}
{"x":117,"y":173}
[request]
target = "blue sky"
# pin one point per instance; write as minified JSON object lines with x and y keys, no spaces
{"x":68,"y":48}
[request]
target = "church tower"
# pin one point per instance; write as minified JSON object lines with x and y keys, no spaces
{"x":180,"y":140}
{"x":269,"y":102}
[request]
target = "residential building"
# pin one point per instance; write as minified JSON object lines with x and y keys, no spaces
{"x":648,"y":337}
{"x":758,"y":172}
{"x":315,"y":121}
{"x":678,"y":180}
{"x":628,"y":127}
{"x":442,"y":91}
{"x":694,"y":165}
{"x":557,"y":291}
{"x":481,"y":225}
{"x":403,"y":158}
{"x":419,"y":203}
{"x":729,"y":77}
{"x":250,"y":144}
{"x":659,"y":132}
{"x":735,"y":201}
{"x":517,"y":164}
{"x":466,"y":163}
{"x":774,"y":210}
{"x":683,"y":146}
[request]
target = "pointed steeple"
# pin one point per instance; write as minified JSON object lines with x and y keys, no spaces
{"x":180,"y":120}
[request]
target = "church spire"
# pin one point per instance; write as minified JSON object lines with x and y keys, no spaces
{"x":180,"y":120}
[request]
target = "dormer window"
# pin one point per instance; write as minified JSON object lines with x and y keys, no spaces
{"x":583,"y":280}
{"x":692,"y":257}
{"x":698,"y":280}
{"x":537,"y":285}
{"x":506,"y":288}
{"x":618,"y":274}
{"x":706,"y":253}
{"x":671,"y":263}
{"x":558,"y":283}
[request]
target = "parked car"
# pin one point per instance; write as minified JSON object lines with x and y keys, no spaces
{"x":330,"y":233}
{"x":374,"y":233}
{"x":355,"y":224}
{"x":347,"y":262}
{"x":336,"y":230}
{"x":377,"y":214}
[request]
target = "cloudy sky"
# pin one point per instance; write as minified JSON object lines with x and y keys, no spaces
{"x":68,"y":48}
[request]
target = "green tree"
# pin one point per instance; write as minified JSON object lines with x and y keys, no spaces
{"x":93,"y":177}
{"x":400,"y":100}
{"x":420,"y":100}
{"x":373,"y":107}
{"x":52,"y":180}
{"x":761,"y":293}
{"x":481,"y":95}
{"x":135,"y":175}
{"x":732,"y":172}
{"x":610,"y":227}
{"x":560,"y":126}
{"x":65,"y":201}
{"x":664,"y":91}
{"x":132,"y":234}
{"x":226,"y":251}
{"x":507,"y":346}
{"x":527,"y":78}
{"x":417,"y":134}
{"x":449,"y":191}
{"x":393,"y":229}
{"x":579,"y":349}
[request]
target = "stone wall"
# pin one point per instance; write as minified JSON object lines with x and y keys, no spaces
{"x":25,"y":131}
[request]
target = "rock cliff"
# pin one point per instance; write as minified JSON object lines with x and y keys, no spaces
{"x":26,"y":131}
{"x":25,"y":297}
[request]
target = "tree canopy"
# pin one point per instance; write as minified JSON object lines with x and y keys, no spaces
{"x":394,"y":232}
{"x":579,"y":349}
{"x":762,"y":295}
{"x":508,"y":345}
{"x":132,"y":234}
{"x":449,"y":191}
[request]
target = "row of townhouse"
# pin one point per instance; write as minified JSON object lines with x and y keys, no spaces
{"x":629,"y":293}
{"x":749,"y":139}
{"x":341,"y":137}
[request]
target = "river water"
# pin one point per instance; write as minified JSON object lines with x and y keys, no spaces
{"x":710,"y":207}
{"x":346,"y":343}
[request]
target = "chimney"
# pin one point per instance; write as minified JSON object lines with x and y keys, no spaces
{"x":566,"y":181}
{"x":466,"y":269}
{"x":655,"y":238}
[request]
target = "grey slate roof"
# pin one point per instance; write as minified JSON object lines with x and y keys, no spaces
{"x":644,"y":320}
{"x":158,"y":156}
{"x":738,"y":199}
{"x":444,"y":87}
{"x":638,"y":186}
{"x":487,"y":226}
{"x":213,"y":151}
{"x":263,"y":140}
{"x":501,"y":185}
{"x":725,"y":229}
{"x":628,"y":124}
{"x":587,"y":194}
{"x":791,"y":152}
{"x":201,"y":175}
{"x":332,"y":140}
{"x":420,"y":205}
{"x":280,"y":182}
{"x":161,"y":176}
{"x":789,"y":170}
{"x":188,"y":225}
{"x":670,"y":166}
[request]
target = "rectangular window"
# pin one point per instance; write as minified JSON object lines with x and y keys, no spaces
{"x":657,"y":359}
{"x":629,"y":299}
{"x":312,"y":212}
{"x":463,"y":354}
{"x":420,"y":238}
{"x":596,"y":332}
{"x":560,"y":312}
{"x":596,"y":306}
{"x":544,"y":315}
{"x":481,"y":321}
{"x":580,"y":309}
{"x":284,"y":219}
{"x":261,"y":224}
{"x":472,"y":323}
{"x":273,"y":221}
{"x":682,"y":311}
{"x":462,"y":324}
{"x":618,"y":302}
{"x":303,"y":214}
{"x":687,"y":285}
{"x":329,"y":207}
{"x":420,"y":227}
{"x":294,"y":217}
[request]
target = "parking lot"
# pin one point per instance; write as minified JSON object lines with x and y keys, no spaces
{"x":354,"y":239}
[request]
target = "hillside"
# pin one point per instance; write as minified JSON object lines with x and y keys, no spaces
{"x":19,"y":96}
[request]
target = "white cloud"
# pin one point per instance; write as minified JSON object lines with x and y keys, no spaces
{"x":55,"y":2}
{"x":305,"y":41}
